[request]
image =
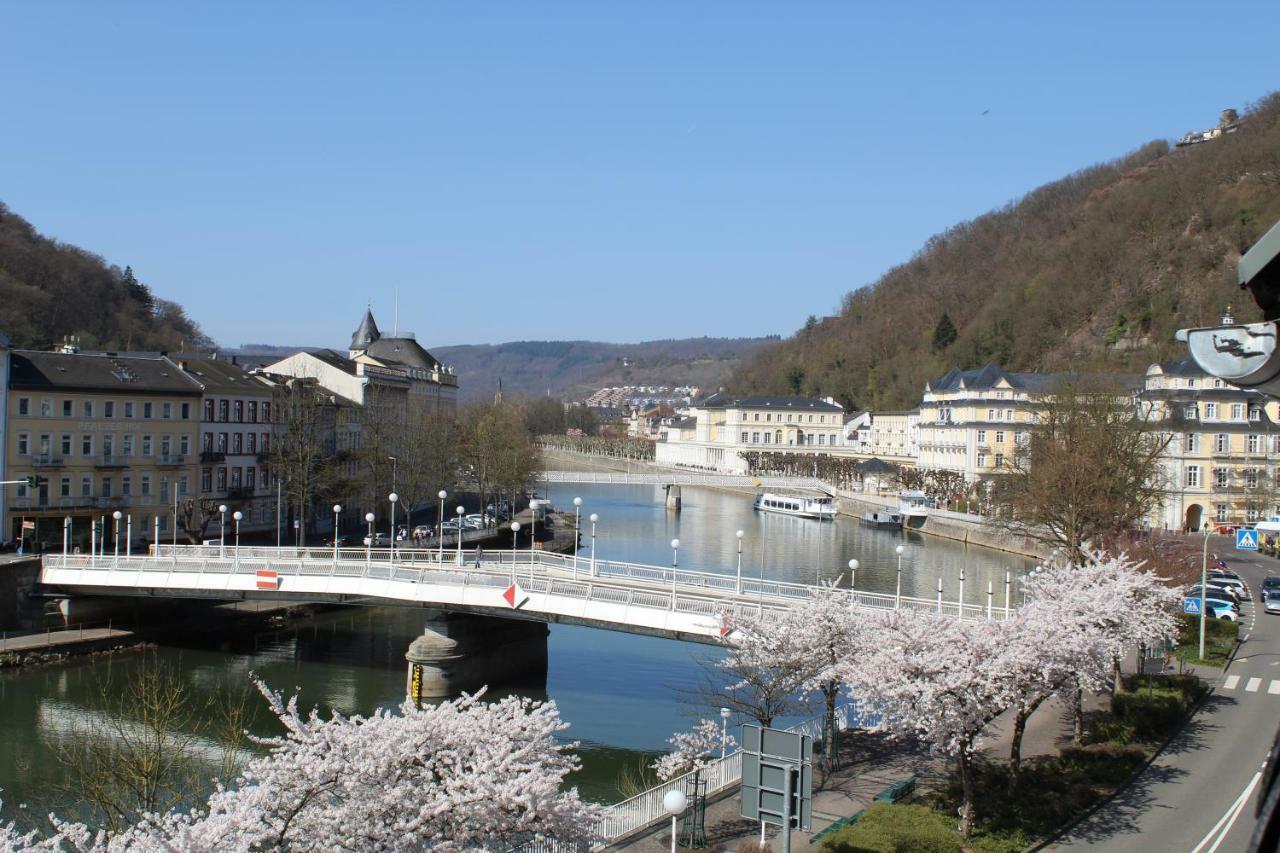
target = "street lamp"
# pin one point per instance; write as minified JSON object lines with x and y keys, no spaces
{"x":222,"y":529}
{"x":442,"y":494}
{"x":577,"y":533}
{"x":725,"y":713}
{"x":675,"y":555}
{"x":459,"y":511}
{"x":337,"y":508}
{"x":594,"y":519}
{"x":674,"y":803}
{"x":117,"y":515}
{"x":897,"y":595}
{"x":515,"y":536}
{"x":236,"y":516}
{"x":853,"y":575}
{"x":533,"y":528}
{"x":739,"y":534}
{"x":1204,"y":583}
{"x":393,"y":497}
{"x":368,"y":543}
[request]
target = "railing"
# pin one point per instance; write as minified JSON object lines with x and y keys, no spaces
{"x":110,"y":460}
{"x":47,"y":460}
{"x":167,"y":459}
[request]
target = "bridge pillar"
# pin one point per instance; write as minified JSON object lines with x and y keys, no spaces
{"x":673,"y":497}
{"x":463,"y":652}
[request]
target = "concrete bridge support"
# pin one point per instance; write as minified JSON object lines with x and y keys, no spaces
{"x":463,"y":652}
{"x":673,"y":497}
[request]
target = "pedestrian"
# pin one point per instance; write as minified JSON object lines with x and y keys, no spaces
{"x":479,"y":552}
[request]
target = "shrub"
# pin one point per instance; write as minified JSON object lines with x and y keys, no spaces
{"x":1105,"y":763}
{"x":887,"y":828}
{"x":1191,"y":687}
{"x":1152,"y":713}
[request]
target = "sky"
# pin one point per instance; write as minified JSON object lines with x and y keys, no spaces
{"x":595,"y":170}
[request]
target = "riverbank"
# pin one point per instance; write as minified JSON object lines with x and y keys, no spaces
{"x":958,"y":527}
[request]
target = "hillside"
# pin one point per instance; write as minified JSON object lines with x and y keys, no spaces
{"x":572,"y":369}
{"x":50,"y":290}
{"x":1093,"y":272}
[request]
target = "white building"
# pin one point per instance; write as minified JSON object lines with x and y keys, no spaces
{"x":714,"y":433}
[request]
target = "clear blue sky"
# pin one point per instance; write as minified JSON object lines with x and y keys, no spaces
{"x":587,"y":170}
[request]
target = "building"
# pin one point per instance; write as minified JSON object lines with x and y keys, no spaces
{"x":102,"y":432}
{"x":714,"y":432}
{"x":892,"y":436}
{"x":1220,"y":464}
{"x":236,"y":436}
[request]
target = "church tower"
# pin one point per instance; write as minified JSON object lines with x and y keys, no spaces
{"x":365,"y":335}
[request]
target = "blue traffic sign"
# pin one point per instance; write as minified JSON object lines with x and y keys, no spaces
{"x":1246,"y":539}
{"x":1191,"y":605}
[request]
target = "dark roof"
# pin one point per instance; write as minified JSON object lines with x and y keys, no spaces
{"x":875,"y":466}
{"x":1185,"y":366}
{"x":406,"y":351}
{"x":683,"y":423}
{"x":366,"y":333}
{"x":99,"y":372}
{"x":989,"y":376}
{"x":333,"y":358}
{"x":223,"y":377}
{"x":724,"y":401}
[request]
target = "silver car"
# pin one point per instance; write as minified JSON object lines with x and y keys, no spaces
{"x":1271,"y":603}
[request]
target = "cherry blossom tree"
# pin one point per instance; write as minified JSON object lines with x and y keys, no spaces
{"x":765,"y":673}
{"x":459,"y":775}
{"x":694,"y":750}
{"x":934,"y":678}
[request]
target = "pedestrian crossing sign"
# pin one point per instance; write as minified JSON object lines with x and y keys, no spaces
{"x":1246,"y":540}
{"x":1191,"y":605}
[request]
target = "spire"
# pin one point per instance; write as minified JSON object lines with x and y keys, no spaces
{"x":367,"y":333}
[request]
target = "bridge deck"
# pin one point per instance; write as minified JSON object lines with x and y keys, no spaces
{"x":681,"y":478}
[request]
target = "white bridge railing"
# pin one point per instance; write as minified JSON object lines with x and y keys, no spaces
{"x":674,"y":478}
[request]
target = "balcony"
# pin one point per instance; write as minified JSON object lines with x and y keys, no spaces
{"x":212,"y":457}
{"x":108,"y":460}
{"x":237,"y":493}
{"x":170,"y":460}
{"x":47,"y":460}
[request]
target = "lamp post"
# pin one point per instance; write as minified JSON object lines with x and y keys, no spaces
{"x":337,"y":508}
{"x":738,"y":535}
{"x":442,"y":494}
{"x":117,"y":515}
{"x":235,"y":517}
{"x":222,"y":529}
{"x":368,"y":542}
{"x":675,"y":554}
{"x":725,"y":713}
{"x":897,"y":595}
{"x":393,"y":497}
{"x":1204,"y":583}
{"x":594,"y":519}
{"x":460,"y":510}
{"x":515,"y":535}
{"x":674,"y":803}
{"x":853,"y":575}
{"x":577,"y":533}
{"x":533,"y":529}
{"x":66,"y":537}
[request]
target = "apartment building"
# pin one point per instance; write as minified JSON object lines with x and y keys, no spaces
{"x":102,"y":432}
{"x":1220,"y":464}
{"x":714,"y":432}
{"x":236,"y":436}
{"x":892,"y":436}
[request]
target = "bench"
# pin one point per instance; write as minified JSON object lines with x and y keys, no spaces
{"x":844,"y":821}
{"x":897,"y":791}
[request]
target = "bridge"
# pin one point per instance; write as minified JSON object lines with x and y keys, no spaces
{"x":682,"y":478}
{"x":533,"y":585}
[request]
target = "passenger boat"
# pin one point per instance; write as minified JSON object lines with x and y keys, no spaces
{"x":822,"y":507}
{"x":914,"y":507}
{"x":883,"y":519}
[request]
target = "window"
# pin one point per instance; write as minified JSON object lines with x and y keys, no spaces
{"x":146,"y":445}
{"x":164,"y":488}
{"x":744,"y":439}
{"x":1191,"y":383}
{"x":144,"y":485}
{"x":126,"y":444}
{"x":126,"y":485}
{"x":68,"y":408}
{"x":789,"y":417}
{"x":106,"y":487}
{"x":253,"y":411}
{"x":1252,"y":443}
{"x":208,"y":410}
{"x":24,"y":405}
{"x":755,"y":438}
{"x":186,"y":411}
{"x":265,"y":444}
{"x":46,"y":408}
{"x":1219,"y":511}
{"x":1251,"y":478}
{"x":1251,"y":514}
{"x":184,"y":444}
{"x":109,"y":409}
{"x":1210,"y":411}
{"x":64,"y":487}
{"x":128,"y":408}
{"x":768,"y":437}
{"x":46,"y":444}
{"x":86,"y":409}
{"x":206,"y":479}
{"x":24,"y":444}
{"x":182,"y":483}
{"x":778,"y":437}
{"x":1255,"y":413}
{"x":222,"y":479}
{"x":166,"y":411}
{"x":237,"y":442}
{"x":768,"y":417}
{"x":223,"y":407}
{"x":991,"y":414}
{"x":1221,"y":443}
{"x":86,"y":444}
{"x":250,"y":477}
{"x":222,"y":442}
{"x":206,"y":442}
{"x":1220,"y":478}
{"x":1000,"y":436}
{"x":108,"y":443}
{"x":66,"y":444}
{"x":999,"y":460}
{"x":148,"y":410}
{"x":1237,"y":411}
{"x":822,"y":438}
{"x":982,"y":436}
{"x":164,"y":523}
{"x":1191,"y":442}
{"x":166,"y":445}
{"x":251,"y":442}
{"x":266,"y":413}
{"x":1193,"y":476}
{"x":235,"y":477}
{"x":1275,"y":444}
{"x":86,"y":486}
{"x":1190,"y":411}
{"x":21,"y":489}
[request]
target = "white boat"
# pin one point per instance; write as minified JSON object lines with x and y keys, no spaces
{"x":883,"y":519}
{"x":914,"y":507}
{"x":822,"y":507}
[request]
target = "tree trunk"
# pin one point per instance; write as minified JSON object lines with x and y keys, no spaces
{"x":1019,"y":729}
{"x":1077,"y":714}
{"x":966,"y":788}
{"x":832,"y":736}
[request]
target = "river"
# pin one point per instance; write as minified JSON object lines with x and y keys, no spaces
{"x":622,"y":695}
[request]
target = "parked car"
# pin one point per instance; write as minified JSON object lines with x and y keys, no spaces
{"x":1215,"y":591}
{"x":422,"y":531}
{"x":1271,"y":601}
{"x":1241,"y":588}
{"x":380,"y":540}
{"x":480,"y":520}
{"x":1218,"y":610}
{"x":1269,"y":583}
{"x":450,"y":526}
{"x":343,"y":541}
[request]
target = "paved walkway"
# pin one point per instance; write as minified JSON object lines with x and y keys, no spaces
{"x":871,"y":762}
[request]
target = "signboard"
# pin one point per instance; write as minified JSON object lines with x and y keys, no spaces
{"x":28,"y":525}
{"x":1246,"y":540}
{"x":268,"y":579}
{"x":514,"y":597}
{"x":415,"y":684}
{"x":1191,"y":605}
{"x":297,"y":522}
{"x":777,"y":776}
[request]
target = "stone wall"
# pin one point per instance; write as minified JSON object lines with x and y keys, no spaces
{"x":19,"y":611}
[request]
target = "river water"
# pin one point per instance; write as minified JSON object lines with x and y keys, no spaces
{"x":623,"y":695}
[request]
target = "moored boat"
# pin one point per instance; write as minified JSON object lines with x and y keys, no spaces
{"x":914,"y":507}
{"x":804,"y":506}
{"x":884,"y":519}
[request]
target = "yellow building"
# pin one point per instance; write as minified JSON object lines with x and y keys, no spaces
{"x":102,"y":433}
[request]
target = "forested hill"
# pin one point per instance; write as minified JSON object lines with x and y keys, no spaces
{"x":1095,"y":271}
{"x":573,"y":369}
{"x":49,"y":290}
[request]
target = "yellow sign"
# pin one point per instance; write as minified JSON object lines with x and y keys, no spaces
{"x":415,"y":684}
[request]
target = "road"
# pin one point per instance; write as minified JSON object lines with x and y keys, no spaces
{"x":1199,"y":794}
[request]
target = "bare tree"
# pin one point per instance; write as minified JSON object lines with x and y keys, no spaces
{"x":304,"y":457}
{"x":194,"y":517}
{"x":428,"y":457}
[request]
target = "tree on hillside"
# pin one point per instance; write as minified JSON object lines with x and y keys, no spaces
{"x":944,"y":334}
{"x":1087,"y":471}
